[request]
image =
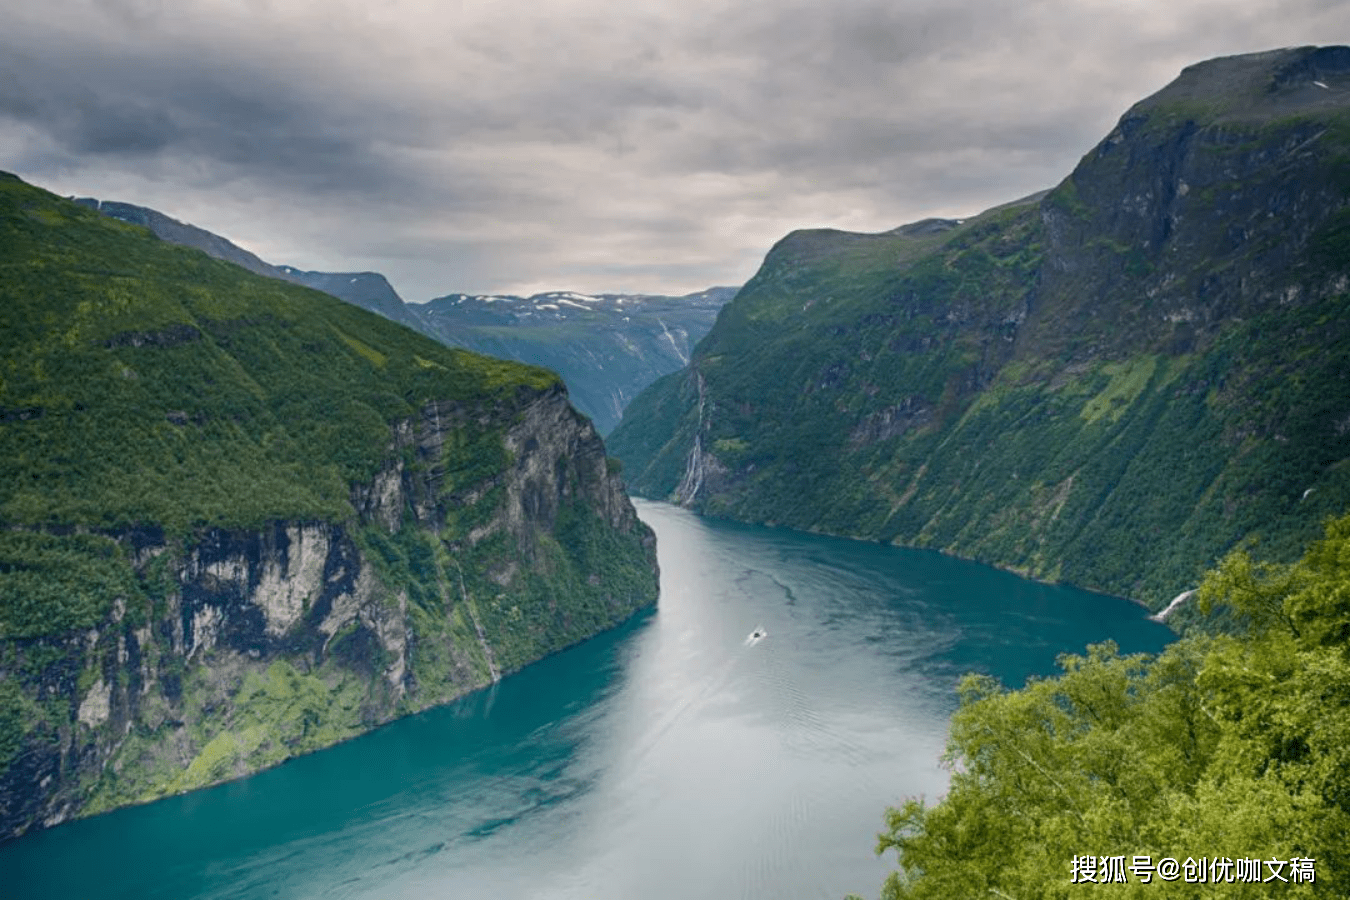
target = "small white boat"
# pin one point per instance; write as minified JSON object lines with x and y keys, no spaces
{"x":756,"y":636}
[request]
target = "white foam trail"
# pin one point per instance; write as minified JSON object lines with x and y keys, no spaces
{"x":714,"y":684}
{"x":1176,"y":601}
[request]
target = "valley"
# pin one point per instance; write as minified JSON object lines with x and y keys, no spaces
{"x":307,"y":590}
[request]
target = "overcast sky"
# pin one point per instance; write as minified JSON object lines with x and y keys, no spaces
{"x":509,"y":146}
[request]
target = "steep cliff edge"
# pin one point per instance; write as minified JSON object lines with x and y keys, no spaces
{"x":1110,"y":384}
{"x":242,"y":520}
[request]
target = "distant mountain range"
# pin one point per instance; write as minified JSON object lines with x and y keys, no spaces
{"x":606,"y":347}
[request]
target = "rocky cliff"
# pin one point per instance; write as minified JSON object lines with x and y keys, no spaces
{"x":244,"y":521}
{"x":1109,"y":384}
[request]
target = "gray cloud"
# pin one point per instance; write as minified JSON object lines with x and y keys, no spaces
{"x":502,"y":146}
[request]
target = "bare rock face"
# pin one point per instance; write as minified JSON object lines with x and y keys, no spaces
{"x":492,"y":537}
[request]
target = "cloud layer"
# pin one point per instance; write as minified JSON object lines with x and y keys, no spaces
{"x":572,"y":144}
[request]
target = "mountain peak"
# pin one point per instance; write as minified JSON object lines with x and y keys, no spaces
{"x":1256,"y":86}
{"x":927,"y":226}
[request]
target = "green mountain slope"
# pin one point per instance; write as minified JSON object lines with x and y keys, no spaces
{"x":243,"y":520}
{"x":1111,"y":384}
{"x":368,"y":290}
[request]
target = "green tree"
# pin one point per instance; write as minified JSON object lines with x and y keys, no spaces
{"x":1233,"y":746}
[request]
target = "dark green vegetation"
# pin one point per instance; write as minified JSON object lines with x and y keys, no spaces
{"x":170,"y":229}
{"x":1111,"y":385}
{"x":368,"y":290}
{"x":1231,"y":747}
{"x":241,"y":520}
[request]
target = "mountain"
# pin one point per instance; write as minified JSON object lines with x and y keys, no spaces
{"x":368,"y":290}
{"x":1110,"y":384}
{"x":175,"y":232}
{"x":606,"y":347}
{"x":241,"y":520}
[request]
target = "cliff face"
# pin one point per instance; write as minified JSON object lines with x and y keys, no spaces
{"x":264,"y":644}
{"x":183,"y":598}
{"x":1110,"y":384}
{"x":1210,"y":200}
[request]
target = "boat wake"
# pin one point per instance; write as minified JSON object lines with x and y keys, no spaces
{"x":756,"y":636}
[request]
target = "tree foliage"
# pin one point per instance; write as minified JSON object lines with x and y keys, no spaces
{"x":1233,"y":746}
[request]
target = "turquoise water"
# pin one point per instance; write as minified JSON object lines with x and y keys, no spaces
{"x":671,"y":758}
